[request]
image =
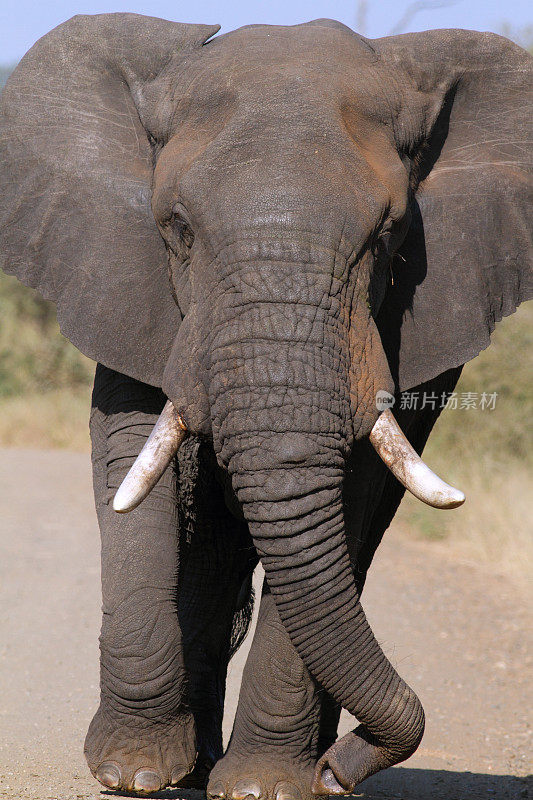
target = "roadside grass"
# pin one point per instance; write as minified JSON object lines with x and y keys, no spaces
{"x":45,"y":386}
{"x":45,"y":383}
{"x":55,"y":419}
{"x":489,"y":455}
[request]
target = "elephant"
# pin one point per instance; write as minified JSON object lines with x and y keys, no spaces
{"x":256,"y":236}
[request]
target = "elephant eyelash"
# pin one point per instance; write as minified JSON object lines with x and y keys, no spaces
{"x":391,"y":265}
{"x":181,"y":226}
{"x":184,"y":231}
{"x":382,"y":243}
{"x":384,"y":254}
{"x":380,"y":250}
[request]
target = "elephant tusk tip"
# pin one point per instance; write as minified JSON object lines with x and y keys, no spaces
{"x":157,"y":453}
{"x":406,"y":465}
{"x":123,"y":502}
{"x":455,"y":499}
{"x":428,"y":487}
{"x":119,"y":507}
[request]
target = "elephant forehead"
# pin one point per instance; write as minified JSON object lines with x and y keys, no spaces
{"x":286,"y":68}
{"x":271,"y":114}
{"x":308,"y":48}
{"x":274,"y":100}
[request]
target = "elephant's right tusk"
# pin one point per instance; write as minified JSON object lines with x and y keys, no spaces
{"x":157,"y":453}
{"x":406,"y":465}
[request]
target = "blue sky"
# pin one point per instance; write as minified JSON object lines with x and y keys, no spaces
{"x":22,"y":22}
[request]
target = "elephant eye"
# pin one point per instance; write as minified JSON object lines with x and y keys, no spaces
{"x":181,"y":226}
{"x":383,"y":245}
{"x":386,"y":242}
{"x":184,"y":232}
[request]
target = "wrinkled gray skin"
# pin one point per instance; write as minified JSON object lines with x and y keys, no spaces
{"x":269,"y":226}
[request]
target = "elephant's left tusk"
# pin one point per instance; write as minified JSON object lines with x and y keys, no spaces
{"x":406,"y":465}
{"x":157,"y":453}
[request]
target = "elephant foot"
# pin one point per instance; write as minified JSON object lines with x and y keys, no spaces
{"x":261,"y":777}
{"x":274,"y":745}
{"x":138,"y":756}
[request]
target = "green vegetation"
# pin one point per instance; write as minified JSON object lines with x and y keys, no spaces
{"x":504,"y":435}
{"x":34,"y":357}
{"x":44,"y":381}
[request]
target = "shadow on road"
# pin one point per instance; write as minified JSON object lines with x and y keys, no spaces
{"x":410,"y":784}
{"x":437,"y":784}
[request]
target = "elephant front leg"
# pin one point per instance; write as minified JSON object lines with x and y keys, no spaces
{"x":215,"y":597}
{"x":275,"y":739}
{"x":142,"y":737}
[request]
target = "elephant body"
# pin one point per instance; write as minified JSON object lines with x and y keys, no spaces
{"x":202,"y":564}
{"x":273,"y":229}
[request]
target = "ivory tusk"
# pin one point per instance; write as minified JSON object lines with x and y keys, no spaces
{"x":157,"y":453}
{"x":406,"y":465}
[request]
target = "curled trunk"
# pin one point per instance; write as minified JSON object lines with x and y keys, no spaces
{"x":284,"y":383}
{"x":301,"y":542}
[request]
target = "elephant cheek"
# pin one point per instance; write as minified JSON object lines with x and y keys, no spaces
{"x":370,"y":375}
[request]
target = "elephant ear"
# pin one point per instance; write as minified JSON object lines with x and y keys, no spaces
{"x":75,"y":180}
{"x":466,"y":260}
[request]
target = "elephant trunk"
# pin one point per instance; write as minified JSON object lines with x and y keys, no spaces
{"x":296,"y":517}
{"x":282,"y":419}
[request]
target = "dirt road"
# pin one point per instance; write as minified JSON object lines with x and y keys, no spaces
{"x":457,"y":633}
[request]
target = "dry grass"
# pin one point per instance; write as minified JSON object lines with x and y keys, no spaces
{"x":55,"y":419}
{"x":489,"y":455}
{"x":492,"y":528}
{"x":45,"y":382}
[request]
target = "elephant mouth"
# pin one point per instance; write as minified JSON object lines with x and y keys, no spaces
{"x":386,"y":437}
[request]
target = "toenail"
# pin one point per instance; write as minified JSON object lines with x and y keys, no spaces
{"x":146,"y":781}
{"x":287,"y":791}
{"x":216,"y":790}
{"x":246,"y":788}
{"x":176,"y":775}
{"x":108,"y":773}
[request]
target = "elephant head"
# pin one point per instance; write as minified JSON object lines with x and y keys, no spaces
{"x":275,"y":225}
